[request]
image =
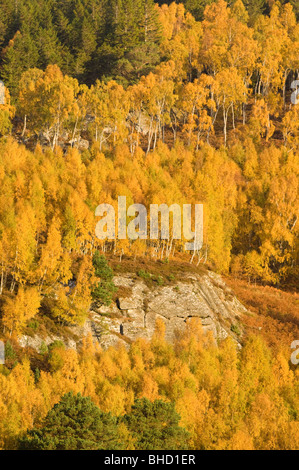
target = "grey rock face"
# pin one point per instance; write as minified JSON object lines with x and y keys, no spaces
{"x":205,"y":297}
{"x":197,"y":296}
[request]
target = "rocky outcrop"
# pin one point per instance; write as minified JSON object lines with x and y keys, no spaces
{"x":205,"y":297}
{"x":138,"y":307}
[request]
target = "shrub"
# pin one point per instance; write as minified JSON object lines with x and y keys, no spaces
{"x":105,"y":289}
{"x":236,"y":329}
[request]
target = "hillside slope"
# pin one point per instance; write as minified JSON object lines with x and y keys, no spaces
{"x":140,"y":302}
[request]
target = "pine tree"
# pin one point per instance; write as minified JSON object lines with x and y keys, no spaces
{"x":105,"y":288}
{"x":155,"y":426}
{"x":255,"y":8}
{"x":197,"y":7}
{"x":75,"y":423}
{"x":20,"y":55}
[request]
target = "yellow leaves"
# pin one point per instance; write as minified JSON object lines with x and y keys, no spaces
{"x":71,"y":369}
{"x":273,"y":208}
{"x":254,"y":266}
{"x":227,"y":399}
{"x":284,"y":377}
{"x":251,"y":163}
{"x":52,"y":251}
{"x":89,"y":349}
{"x":59,"y":90}
{"x":290,"y":124}
{"x":64,"y":308}
{"x":241,"y":440}
{"x":150,"y":389}
{"x":108,"y":366}
{"x":216,"y":187}
{"x":142,"y":354}
{"x":255,"y":373}
{"x":229,"y":88}
{"x":24,"y":243}
{"x":19,"y":309}
{"x":13,"y":157}
{"x":54,"y":265}
{"x":56,"y":361}
{"x":81,"y":293}
{"x":260,"y":121}
{"x":160,"y":328}
{"x":181,"y":39}
{"x":194,"y":102}
{"x":112,"y":398}
{"x":58,"y":93}
{"x":227,"y":40}
{"x":272,"y":38}
{"x":288,"y":17}
{"x":193,"y":407}
{"x":27,"y":91}
{"x":109,"y":105}
{"x":21,"y":404}
{"x":171,"y":17}
{"x":267,"y":421}
{"x":189,"y":343}
{"x":159,"y":96}
{"x":67,"y":375}
{"x":75,"y":169}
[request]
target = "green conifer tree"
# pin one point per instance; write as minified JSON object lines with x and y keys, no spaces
{"x":75,"y":423}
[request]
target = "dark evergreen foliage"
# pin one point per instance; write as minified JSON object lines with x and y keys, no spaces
{"x":104,"y":290}
{"x":155,"y":426}
{"x":89,"y":39}
{"x":75,"y":423}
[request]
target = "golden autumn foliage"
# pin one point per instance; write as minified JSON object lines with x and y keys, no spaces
{"x":18,"y":310}
{"x":159,"y":141}
{"x":47,"y":221}
{"x":227,"y":399}
{"x":211,"y":121}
